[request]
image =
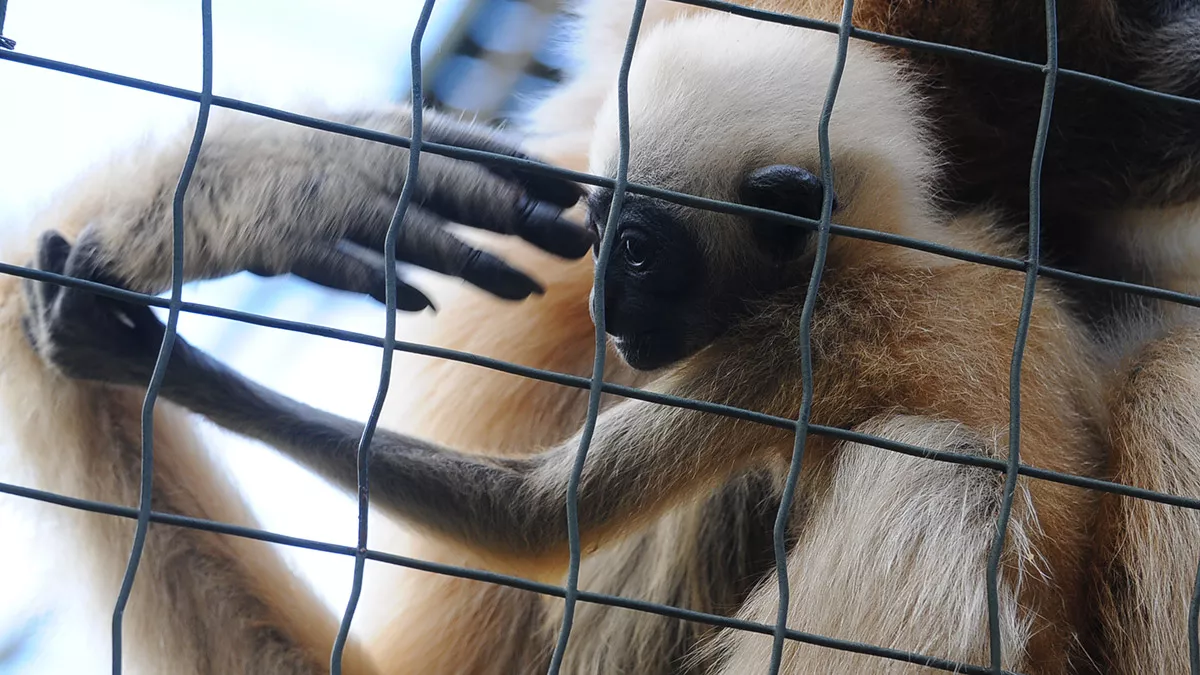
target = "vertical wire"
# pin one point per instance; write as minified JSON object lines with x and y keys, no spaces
{"x":1193,"y":626}
{"x":389,"y":338}
{"x":593,"y":410}
{"x":168,"y":342}
{"x":5,"y":43}
{"x":806,"y":315}
{"x":1014,"y":396}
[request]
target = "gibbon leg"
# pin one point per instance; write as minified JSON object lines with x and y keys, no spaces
{"x":1151,"y":551}
{"x":202,"y":603}
{"x":893,"y":551}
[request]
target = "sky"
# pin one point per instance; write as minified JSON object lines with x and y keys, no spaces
{"x":294,"y":54}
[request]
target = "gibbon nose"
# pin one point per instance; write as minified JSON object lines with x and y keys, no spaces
{"x":618,"y":321}
{"x":626,"y":313}
{"x":614,"y":318}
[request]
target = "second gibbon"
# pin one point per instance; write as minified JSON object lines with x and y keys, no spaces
{"x":676,"y":506}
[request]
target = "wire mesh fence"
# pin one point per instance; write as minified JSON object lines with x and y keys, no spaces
{"x":621,"y":185}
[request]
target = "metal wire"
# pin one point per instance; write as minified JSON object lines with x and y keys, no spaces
{"x":5,"y":43}
{"x":595,"y":387}
{"x":168,"y":342}
{"x":1194,"y":628}
{"x":389,"y":340}
{"x":806,"y":317}
{"x":571,"y":594}
{"x":708,"y":204}
{"x":491,"y":577}
{"x":1014,"y":393}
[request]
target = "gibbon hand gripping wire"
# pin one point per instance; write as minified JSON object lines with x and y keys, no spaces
{"x":825,"y":229}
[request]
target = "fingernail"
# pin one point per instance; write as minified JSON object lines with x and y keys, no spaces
{"x":499,"y":278}
{"x":545,"y":227}
{"x":408,"y":299}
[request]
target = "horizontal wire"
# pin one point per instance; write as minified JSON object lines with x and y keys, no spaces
{"x":580,"y":382}
{"x":551,"y":590}
{"x":681,"y":198}
{"x":915,"y":44}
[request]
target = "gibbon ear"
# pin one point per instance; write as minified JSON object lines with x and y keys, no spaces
{"x":789,"y":189}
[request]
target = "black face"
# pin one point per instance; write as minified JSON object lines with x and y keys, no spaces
{"x":662,"y":300}
{"x":654,"y":286}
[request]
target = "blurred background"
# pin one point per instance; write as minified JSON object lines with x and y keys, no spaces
{"x":486,"y":59}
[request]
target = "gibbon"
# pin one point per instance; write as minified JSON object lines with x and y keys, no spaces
{"x":700,"y":298}
{"x":676,"y":506}
{"x":1124,"y":213}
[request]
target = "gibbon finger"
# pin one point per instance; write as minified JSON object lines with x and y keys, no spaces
{"x":471,"y":195}
{"x":558,"y":191}
{"x":349,"y":267}
{"x":52,"y":253}
{"x":424,"y":241}
{"x":40,"y":296}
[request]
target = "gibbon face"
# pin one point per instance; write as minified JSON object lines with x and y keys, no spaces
{"x":678,"y":277}
{"x":708,"y":117}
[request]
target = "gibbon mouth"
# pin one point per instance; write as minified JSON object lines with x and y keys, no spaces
{"x":652,"y":349}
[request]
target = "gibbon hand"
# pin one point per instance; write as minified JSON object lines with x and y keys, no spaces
{"x":276,"y":199}
{"x":509,"y":509}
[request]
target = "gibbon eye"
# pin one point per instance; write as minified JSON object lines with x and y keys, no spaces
{"x":635,"y":250}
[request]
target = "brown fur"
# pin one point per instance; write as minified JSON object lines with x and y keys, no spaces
{"x":1151,"y":549}
{"x":933,"y":347}
{"x":213,"y":603}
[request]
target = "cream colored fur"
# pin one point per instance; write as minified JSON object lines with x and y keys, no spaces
{"x":889,"y":549}
{"x":919,"y":589}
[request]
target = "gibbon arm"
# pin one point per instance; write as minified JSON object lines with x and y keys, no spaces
{"x":643,"y":457}
{"x":277,"y":199}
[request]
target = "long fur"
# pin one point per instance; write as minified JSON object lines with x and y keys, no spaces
{"x":707,"y":553}
{"x":203,"y":603}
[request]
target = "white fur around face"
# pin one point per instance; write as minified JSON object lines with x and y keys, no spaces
{"x":714,"y":96}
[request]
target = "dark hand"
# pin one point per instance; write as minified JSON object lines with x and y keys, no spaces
{"x":499,"y":200}
{"x":276,"y":198}
{"x":84,"y":335}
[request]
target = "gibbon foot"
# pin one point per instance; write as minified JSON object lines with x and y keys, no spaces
{"x":84,"y":335}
